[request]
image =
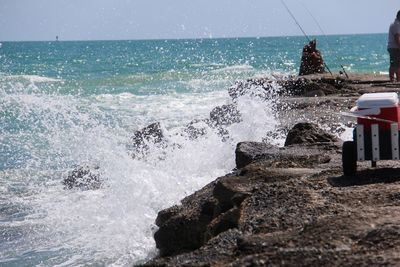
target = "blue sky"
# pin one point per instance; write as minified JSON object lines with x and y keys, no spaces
{"x":160,"y":19}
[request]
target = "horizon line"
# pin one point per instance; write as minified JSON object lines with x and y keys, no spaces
{"x":181,"y":39}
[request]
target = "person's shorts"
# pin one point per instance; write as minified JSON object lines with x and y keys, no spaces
{"x":394,"y":57}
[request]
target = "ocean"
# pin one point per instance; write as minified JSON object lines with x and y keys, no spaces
{"x":76,"y":103}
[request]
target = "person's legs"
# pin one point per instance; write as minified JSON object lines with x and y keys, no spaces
{"x":394,"y":69}
{"x":391,"y":73}
{"x":398,"y":74}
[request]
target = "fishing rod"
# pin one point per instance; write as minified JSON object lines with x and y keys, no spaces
{"x":322,"y":31}
{"x":301,"y":28}
{"x":352,"y":114}
{"x":358,"y":116}
{"x":295,"y":20}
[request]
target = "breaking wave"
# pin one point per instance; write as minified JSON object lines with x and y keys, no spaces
{"x":48,"y":135}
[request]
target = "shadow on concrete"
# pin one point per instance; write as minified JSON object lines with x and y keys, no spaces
{"x":365,"y":177}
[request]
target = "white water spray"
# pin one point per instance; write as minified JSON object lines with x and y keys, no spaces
{"x":115,"y":224}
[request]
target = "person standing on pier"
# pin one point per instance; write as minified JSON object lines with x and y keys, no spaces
{"x":311,"y":60}
{"x":394,"y":49}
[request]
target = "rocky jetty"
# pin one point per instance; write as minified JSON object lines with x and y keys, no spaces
{"x":291,"y":205}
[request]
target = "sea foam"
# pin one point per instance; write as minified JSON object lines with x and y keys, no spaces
{"x":115,"y":224}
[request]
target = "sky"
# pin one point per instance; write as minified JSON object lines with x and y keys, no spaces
{"x":33,"y":20}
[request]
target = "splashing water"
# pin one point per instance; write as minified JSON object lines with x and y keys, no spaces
{"x":69,"y":104}
{"x":42,"y":222}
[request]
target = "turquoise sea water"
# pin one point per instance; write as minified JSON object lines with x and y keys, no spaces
{"x":64,"y":104}
{"x":154,"y":67}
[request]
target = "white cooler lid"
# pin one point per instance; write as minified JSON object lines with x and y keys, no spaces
{"x":378,"y":100}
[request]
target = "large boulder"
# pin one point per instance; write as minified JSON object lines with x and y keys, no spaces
{"x":201,"y":216}
{"x":308,"y":133}
{"x":219,"y":210}
{"x":182,"y":228}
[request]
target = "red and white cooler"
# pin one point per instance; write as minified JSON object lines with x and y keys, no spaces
{"x":377,"y":131}
{"x":382,"y":106}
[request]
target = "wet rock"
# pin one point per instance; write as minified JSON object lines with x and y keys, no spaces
{"x":293,"y":86}
{"x":218,"y":207}
{"x":167,"y":214}
{"x":247,"y":152}
{"x":199,"y":218}
{"x":308,"y":133}
{"x":263,"y":88}
{"x":286,"y":86}
{"x":196,"y":129}
{"x":141,"y":139}
{"x":215,"y":251}
{"x":289,"y":206}
{"x":289,"y":157}
{"x":382,"y":237}
{"x":151,"y":133}
{"x":314,"y":93}
{"x":320,"y":88}
{"x":220,"y":117}
{"x":211,"y":210}
{"x":307,"y":88}
{"x":225,"y":115}
{"x":84,"y":178}
{"x":181,"y":233}
{"x":222,"y":223}
{"x":263,"y":212}
{"x":230,"y":192}
{"x":182,"y":228}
